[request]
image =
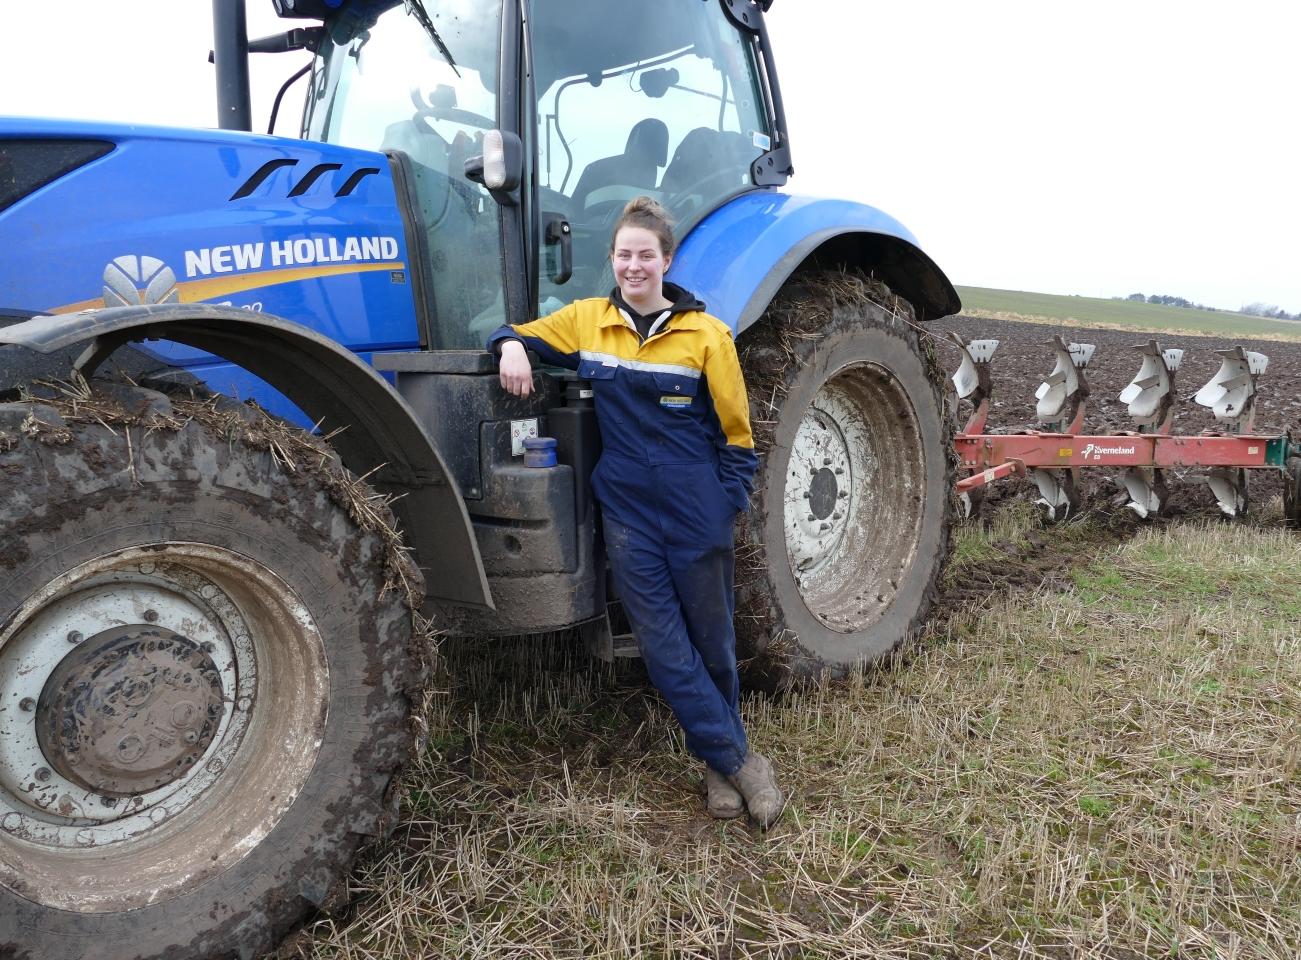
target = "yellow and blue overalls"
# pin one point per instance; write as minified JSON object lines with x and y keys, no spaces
{"x":677,"y":464}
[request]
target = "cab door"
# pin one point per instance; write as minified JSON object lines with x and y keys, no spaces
{"x":661,"y":99}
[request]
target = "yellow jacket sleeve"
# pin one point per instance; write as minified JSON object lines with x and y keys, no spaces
{"x":737,"y":462}
{"x":554,"y":337}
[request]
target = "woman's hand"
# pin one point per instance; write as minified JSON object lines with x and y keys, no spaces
{"x":515,"y":371}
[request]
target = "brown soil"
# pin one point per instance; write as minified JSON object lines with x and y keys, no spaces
{"x":1024,"y":358}
{"x":1041,"y":561}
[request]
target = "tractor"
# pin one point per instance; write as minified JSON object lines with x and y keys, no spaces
{"x":213,"y":612}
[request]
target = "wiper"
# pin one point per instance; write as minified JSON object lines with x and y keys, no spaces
{"x":417,"y":9}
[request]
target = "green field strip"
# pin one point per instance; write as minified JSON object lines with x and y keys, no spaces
{"x":1121,"y":314}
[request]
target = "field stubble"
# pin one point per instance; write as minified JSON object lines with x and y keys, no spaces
{"x":1103,"y":766}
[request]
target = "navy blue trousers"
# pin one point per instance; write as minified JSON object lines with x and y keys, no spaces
{"x":668,"y":536}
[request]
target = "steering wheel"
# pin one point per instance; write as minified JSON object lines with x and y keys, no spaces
{"x":455,"y":114}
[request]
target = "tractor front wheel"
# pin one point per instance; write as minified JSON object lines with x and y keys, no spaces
{"x":204,"y":678}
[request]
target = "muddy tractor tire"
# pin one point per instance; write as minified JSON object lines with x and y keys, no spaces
{"x":840,"y":555}
{"x":205,"y":678}
{"x":1292,"y":493}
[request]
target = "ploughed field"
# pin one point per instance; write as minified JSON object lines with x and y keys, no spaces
{"x":1025,"y":358}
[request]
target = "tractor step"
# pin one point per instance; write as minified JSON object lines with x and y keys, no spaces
{"x":609,"y":637}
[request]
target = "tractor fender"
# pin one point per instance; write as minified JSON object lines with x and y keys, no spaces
{"x":738,"y":257}
{"x":381,"y":440}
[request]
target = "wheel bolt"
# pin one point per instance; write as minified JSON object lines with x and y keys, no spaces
{"x":151,"y":616}
{"x":108,"y":801}
{"x":826,"y":461}
{"x":43,"y":774}
{"x":27,"y":704}
{"x":812,"y":518}
{"x":75,"y":637}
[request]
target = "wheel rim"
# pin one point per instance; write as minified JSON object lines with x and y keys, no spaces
{"x":157,"y":700}
{"x":855,"y":481}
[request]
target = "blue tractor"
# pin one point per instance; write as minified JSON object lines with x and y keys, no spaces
{"x":211,"y":615}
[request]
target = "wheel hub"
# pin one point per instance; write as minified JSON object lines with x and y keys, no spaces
{"x":130,"y":710}
{"x":822,"y":494}
{"x":817,"y":488}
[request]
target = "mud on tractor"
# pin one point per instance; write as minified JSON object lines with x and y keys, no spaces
{"x":211,"y":635}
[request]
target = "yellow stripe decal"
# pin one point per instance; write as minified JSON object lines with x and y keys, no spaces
{"x":195,"y":291}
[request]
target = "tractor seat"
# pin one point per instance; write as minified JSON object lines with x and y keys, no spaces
{"x":710,"y":157}
{"x":638,"y":166}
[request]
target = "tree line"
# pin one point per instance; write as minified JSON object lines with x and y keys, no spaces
{"x":1258,"y":309}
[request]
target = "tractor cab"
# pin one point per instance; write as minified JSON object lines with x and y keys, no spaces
{"x":581,"y":104}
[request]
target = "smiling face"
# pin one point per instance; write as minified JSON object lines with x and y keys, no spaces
{"x":639,"y":266}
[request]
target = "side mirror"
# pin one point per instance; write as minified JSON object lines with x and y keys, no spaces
{"x":500,"y":168}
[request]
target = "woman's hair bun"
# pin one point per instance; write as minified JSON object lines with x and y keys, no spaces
{"x":647,"y":206}
{"x":647,"y":213}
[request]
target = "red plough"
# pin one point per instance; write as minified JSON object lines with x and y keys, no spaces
{"x":1053,"y":456}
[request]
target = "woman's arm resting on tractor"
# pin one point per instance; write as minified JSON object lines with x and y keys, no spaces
{"x":514,"y":369}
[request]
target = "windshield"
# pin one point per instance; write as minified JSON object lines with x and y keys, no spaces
{"x":421,"y":78}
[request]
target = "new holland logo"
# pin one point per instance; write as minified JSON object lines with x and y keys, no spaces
{"x":1095,"y":451}
{"x":131,"y":280}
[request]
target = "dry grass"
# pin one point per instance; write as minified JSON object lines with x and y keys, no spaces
{"x":1108,"y":770}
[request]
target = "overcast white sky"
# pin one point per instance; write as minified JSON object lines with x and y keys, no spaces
{"x":1095,"y":148}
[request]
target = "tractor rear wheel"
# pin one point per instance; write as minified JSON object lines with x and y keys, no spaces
{"x":840,"y":556}
{"x":205,"y":677}
{"x":1292,"y":492}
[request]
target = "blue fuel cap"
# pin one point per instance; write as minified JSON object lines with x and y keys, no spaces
{"x":540,"y":452}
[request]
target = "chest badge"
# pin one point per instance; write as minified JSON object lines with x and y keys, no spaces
{"x":675,"y":403}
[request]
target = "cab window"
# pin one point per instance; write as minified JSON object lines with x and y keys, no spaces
{"x":668,"y":106}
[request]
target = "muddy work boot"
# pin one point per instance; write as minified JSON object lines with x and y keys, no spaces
{"x":758,"y":785}
{"x":721,"y":800}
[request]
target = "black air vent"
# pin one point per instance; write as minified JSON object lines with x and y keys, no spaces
{"x":28,"y":165}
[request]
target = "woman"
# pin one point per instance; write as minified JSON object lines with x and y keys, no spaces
{"x":677,"y":465}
